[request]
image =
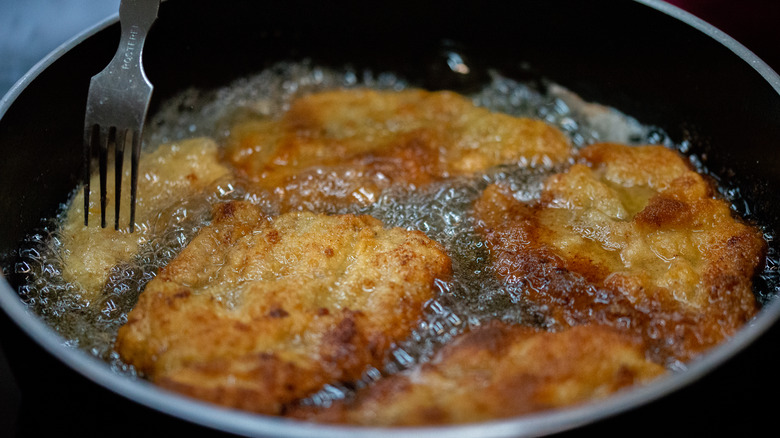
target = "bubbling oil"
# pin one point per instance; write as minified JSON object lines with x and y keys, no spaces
{"x":440,"y":210}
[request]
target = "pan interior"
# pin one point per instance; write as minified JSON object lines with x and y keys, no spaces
{"x":643,"y":76}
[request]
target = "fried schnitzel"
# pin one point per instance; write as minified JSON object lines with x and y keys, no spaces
{"x":259,"y":311}
{"x":170,"y":174}
{"x":499,"y":371}
{"x":631,"y":237}
{"x":344,"y":147}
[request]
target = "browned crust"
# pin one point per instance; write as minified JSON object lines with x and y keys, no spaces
{"x":346,"y":146}
{"x":257,"y":312}
{"x":633,"y":238}
{"x":499,"y":370}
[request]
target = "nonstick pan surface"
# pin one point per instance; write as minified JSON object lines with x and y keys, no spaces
{"x":649,"y":60}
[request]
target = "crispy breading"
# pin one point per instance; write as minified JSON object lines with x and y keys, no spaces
{"x":499,"y":371}
{"x":345,"y":146}
{"x":259,"y":311}
{"x":631,"y":237}
{"x":170,"y":174}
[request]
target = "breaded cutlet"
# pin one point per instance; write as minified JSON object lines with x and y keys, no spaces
{"x":259,"y":311}
{"x":631,"y":237}
{"x":495,"y":371}
{"x":344,"y":147}
{"x":171,"y":174}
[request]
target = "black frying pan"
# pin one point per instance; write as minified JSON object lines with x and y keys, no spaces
{"x":649,"y":60}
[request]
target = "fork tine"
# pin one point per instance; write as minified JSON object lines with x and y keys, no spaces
{"x":90,"y":139}
{"x":106,"y":137}
{"x":119,"y":154}
{"x":135,"y":157}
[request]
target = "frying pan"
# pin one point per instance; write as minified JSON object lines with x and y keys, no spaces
{"x":646,"y":58}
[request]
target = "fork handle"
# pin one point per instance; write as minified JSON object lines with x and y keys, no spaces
{"x":136,"y":18}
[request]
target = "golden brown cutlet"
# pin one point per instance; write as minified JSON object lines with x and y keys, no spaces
{"x":345,"y":147}
{"x":631,"y":237}
{"x":172,"y":173}
{"x":259,"y":311}
{"x":497,"y":371}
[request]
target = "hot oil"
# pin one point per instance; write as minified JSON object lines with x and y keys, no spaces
{"x":441,"y":210}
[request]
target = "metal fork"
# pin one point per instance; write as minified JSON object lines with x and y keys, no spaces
{"x":117,"y":105}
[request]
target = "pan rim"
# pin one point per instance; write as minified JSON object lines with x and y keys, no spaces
{"x":243,"y":423}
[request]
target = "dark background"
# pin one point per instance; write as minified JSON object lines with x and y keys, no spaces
{"x":32,"y":28}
